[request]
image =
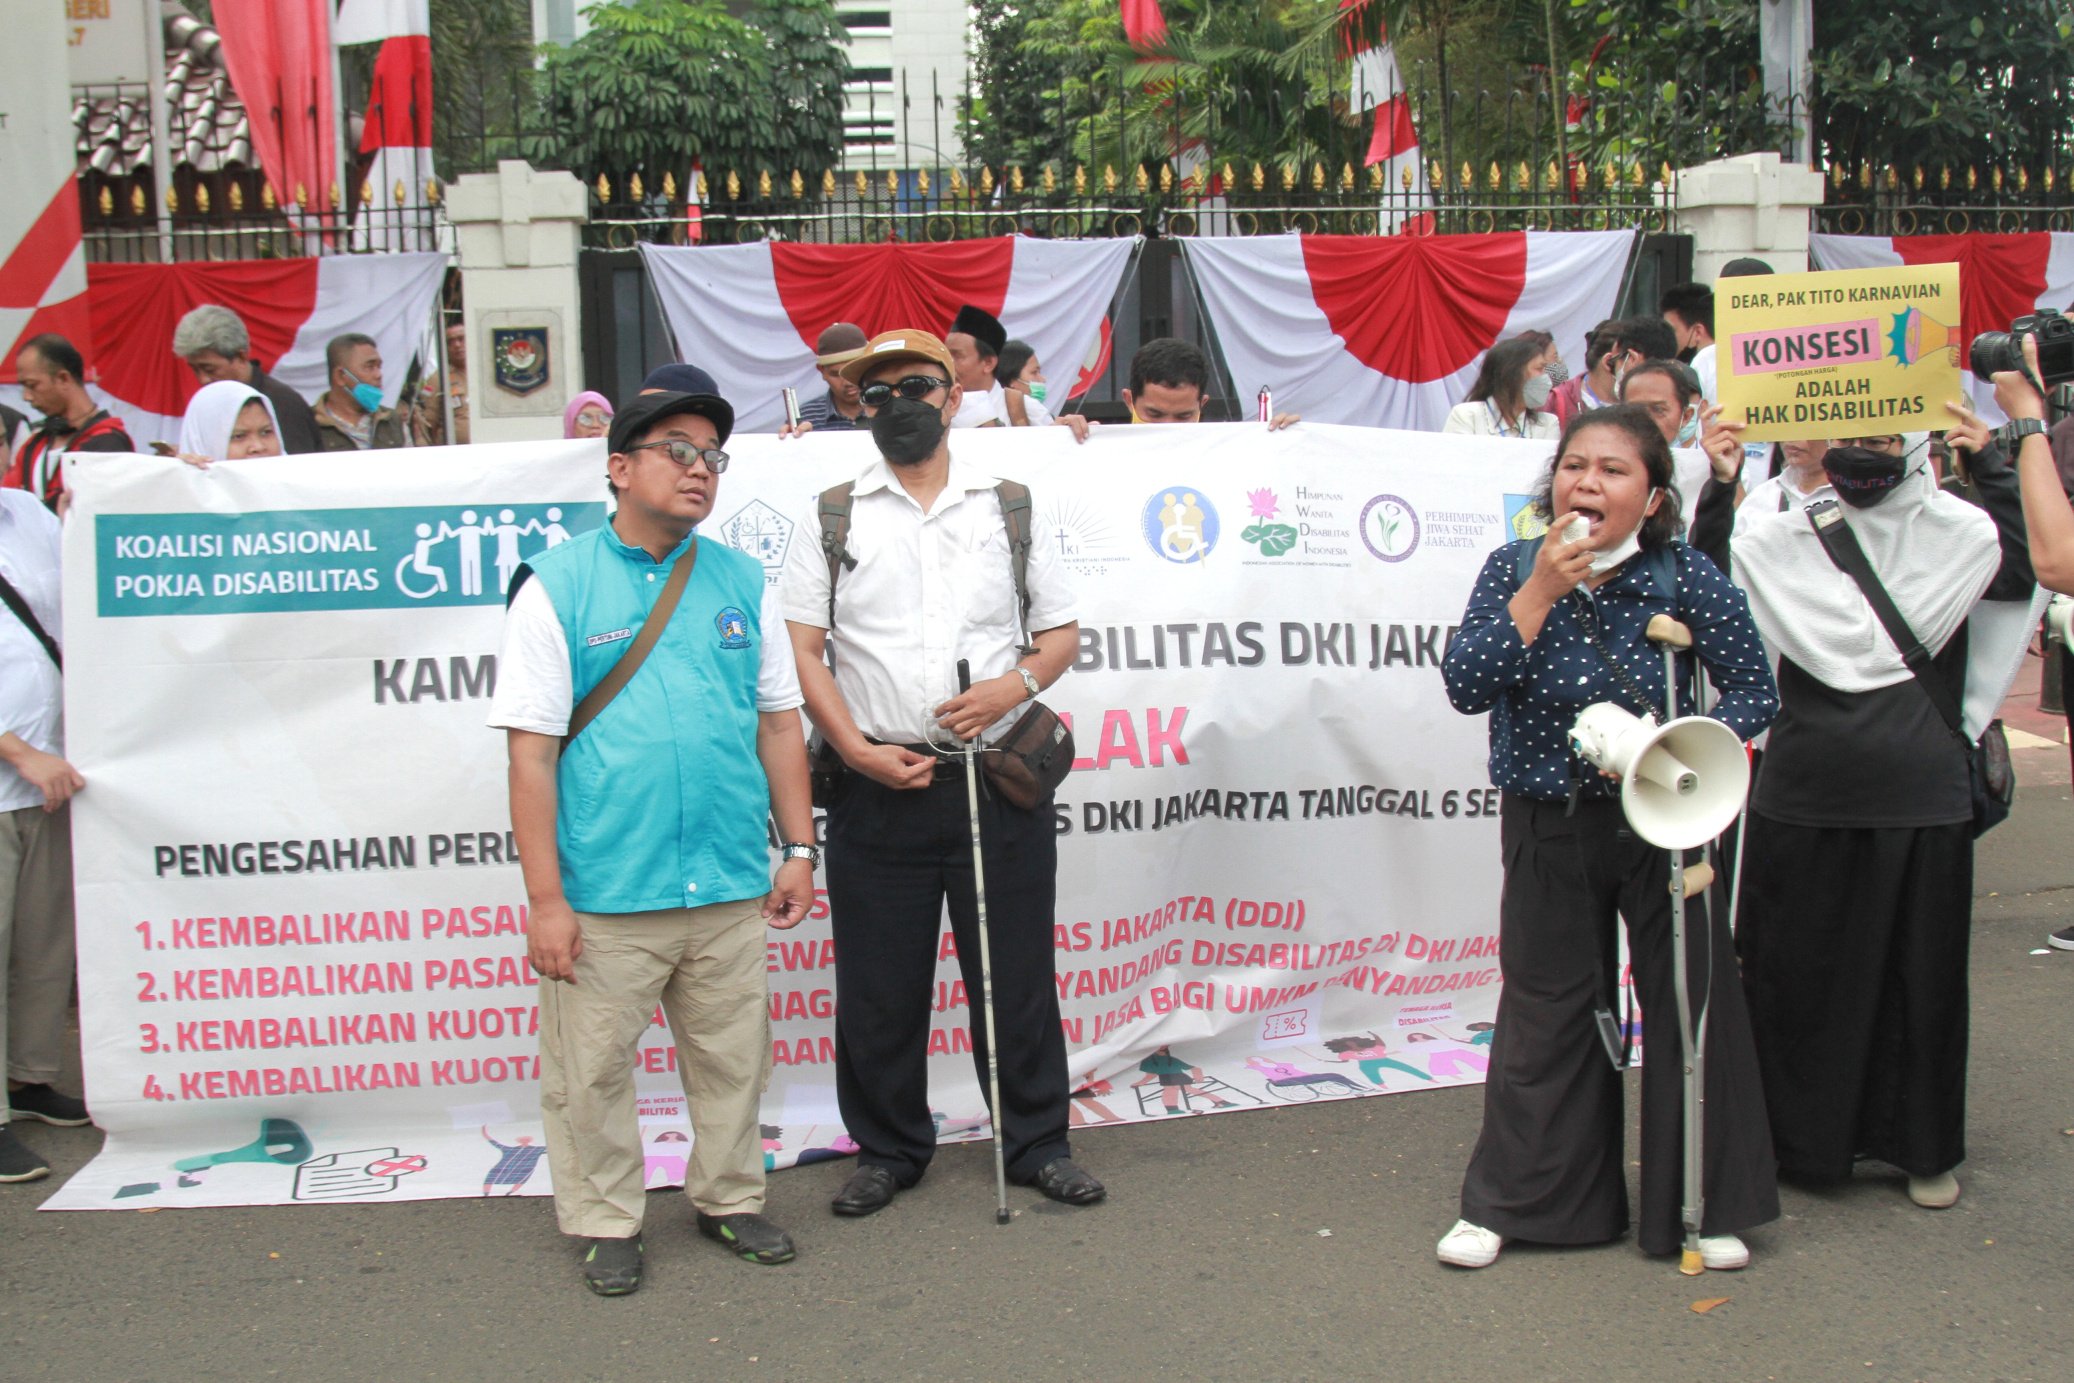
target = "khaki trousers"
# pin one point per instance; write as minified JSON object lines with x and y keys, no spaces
{"x":706,"y":967}
{"x":36,"y":946}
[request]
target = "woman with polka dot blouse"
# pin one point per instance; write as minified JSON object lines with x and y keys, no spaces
{"x":1534,"y":652}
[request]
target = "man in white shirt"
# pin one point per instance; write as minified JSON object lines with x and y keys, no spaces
{"x":975,"y":341}
{"x":36,"y":947}
{"x":931,"y":583}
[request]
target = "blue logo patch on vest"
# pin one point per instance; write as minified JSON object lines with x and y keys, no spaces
{"x":733,"y":626}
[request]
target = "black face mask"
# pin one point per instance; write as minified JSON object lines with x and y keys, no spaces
{"x":907,"y":431}
{"x":1862,"y":477}
{"x":1687,"y":355}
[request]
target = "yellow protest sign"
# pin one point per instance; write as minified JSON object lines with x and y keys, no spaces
{"x":1846,"y":353}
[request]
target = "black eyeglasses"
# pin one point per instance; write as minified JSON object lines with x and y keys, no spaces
{"x":684,"y":453}
{"x":913,"y":387}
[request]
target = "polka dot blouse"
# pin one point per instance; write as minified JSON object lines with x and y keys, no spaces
{"x":1535,"y":693}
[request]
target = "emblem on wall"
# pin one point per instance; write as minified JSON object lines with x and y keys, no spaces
{"x":520,"y":354}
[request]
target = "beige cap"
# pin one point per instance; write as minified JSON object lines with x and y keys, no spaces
{"x":899,"y":345}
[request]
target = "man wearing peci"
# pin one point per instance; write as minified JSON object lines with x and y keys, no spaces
{"x":641,"y":835}
{"x":932,"y":585}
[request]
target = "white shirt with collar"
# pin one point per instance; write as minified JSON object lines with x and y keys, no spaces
{"x":32,"y":697}
{"x":978,"y":409}
{"x":928,"y":589}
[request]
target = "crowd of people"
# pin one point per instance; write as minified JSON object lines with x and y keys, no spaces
{"x":1851,"y":939}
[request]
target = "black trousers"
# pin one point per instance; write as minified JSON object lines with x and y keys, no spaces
{"x":1548,"y":1167}
{"x":894,"y":858}
{"x":1855,"y":944}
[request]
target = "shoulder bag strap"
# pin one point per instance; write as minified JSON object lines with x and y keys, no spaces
{"x":12,"y":598}
{"x":1842,"y":546}
{"x":651,"y":631}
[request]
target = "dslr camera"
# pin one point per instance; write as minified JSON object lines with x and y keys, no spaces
{"x":1994,"y":351}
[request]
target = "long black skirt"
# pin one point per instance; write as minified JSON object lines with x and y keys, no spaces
{"x":1548,"y":1167}
{"x":1854,"y":943}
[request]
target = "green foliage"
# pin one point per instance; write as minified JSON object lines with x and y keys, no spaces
{"x":659,"y":84}
{"x":1903,"y":83}
{"x":482,"y":68}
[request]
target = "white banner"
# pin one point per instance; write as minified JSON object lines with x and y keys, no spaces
{"x":302,"y":960}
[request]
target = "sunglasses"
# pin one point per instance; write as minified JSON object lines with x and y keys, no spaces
{"x":684,"y":453}
{"x":913,"y":387}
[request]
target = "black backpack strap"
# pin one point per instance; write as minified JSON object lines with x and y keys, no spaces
{"x":1842,"y":546}
{"x":518,"y":579}
{"x":1016,"y":518}
{"x":833,"y":508}
{"x":12,"y":599}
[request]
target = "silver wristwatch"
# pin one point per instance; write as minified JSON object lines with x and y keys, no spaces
{"x":2012,"y":433}
{"x":1030,"y":687}
{"x":796,"y":850}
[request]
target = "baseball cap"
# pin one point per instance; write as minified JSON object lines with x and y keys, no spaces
{"x":647,"y":410}
{"x":838,"y":343}
{"x":905,"y":344}
{"x":679,"y":379}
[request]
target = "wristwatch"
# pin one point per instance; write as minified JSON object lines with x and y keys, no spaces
{"x":800,"y":850}
{"x":1030,"y":687}
{"x":2013,"y":432}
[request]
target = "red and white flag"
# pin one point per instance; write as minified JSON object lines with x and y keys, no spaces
{"x":2001,"y":277}
{"x":278,"y":55}
{"x":1144,"y":24}
{"x":42,"y":264}
{"x":396,"y":137}
{"x":749,"y":314}
{"x":1388,"y":331}
{"x":1377,"y":85}
{"x":291,"y":307}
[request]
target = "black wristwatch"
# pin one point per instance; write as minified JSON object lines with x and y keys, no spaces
{"x":802,"y":850}
{"x":2012,"y":433}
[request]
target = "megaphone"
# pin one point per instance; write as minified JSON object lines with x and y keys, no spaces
{"x":2059,"y":618}
{"x":1914,"y":337}
{"x":280,"y":1140}
{"x":1681,"y":784}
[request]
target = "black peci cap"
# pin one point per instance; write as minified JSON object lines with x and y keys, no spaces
{"x":646,"y":410}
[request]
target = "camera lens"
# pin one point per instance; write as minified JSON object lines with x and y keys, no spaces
{"x":1994,"y":351}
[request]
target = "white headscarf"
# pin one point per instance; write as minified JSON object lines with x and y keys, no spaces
{"x":1935,"y":553}
{"x":212,"y":415}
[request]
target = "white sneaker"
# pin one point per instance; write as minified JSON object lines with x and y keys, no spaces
{"x":1940,"y":1192}
{"x":1723,"y":1252}
{"x":1470,"y":1246}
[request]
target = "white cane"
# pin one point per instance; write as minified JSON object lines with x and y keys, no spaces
{"x":986,"y":963}
{"x":1672,"y":636}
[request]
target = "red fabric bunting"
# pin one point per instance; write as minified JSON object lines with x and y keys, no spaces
{"x":1416,"y":308}
{"x":136,"y":306}
{"x":2002,"y":276}
{"x":884,"y":287}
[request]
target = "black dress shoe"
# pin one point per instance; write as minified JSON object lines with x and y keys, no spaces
{"x":1064,"y":1180}
{"x":870,"y":1188}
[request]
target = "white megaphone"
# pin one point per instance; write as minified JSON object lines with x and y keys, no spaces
{"x":1681,"y":784}
{"x":2059,"y":618}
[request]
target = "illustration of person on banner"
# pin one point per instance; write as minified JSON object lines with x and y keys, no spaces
{"x":640,"y":788}
{"x":1556,"y":625}
{"x":922,"y":566}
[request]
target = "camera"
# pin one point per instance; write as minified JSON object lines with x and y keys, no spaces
{"x":1994,"y":351}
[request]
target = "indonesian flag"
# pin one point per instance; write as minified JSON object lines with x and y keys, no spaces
{"x":396,"y":139}
{"x":2001,"y":277}
{"x":278,"y":55}
{"x":1388,"y":331}
{"x":42,"y":264}
{"x":291,"y":307}
{"x":1144,"y":24}
{"x":749,"y":314}
{"x":1377,"y":85}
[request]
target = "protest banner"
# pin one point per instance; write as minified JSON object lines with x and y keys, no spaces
{"x":303,"y":972}
{"x":1838,"y":354}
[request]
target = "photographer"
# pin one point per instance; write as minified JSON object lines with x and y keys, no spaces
{"x":2048,"y":517}
{"x":1547,"y":633}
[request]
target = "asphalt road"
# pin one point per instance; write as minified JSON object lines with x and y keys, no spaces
{"x":1294,"y":1243}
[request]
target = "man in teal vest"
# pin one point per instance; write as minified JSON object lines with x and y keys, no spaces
{"x":642,"y":837}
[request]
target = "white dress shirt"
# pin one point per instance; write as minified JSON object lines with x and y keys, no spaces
{"x":1482,"y":419}
{"x":978,"y":409}
{"x":32,"y":696}
{"x":928,"y":589}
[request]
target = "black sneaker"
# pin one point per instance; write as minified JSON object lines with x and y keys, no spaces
{"x":17,"y":1161}
{"x":2061,"y":940}
{"x":49,"y":1105}
{"x":752,"y":1237}
{"x":612,"y":1267}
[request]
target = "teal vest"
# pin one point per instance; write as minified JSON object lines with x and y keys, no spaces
{"x":662,"y":799}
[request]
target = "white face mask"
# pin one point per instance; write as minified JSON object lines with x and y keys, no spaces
{"x":1689,"y":430}
{"x":1535,"y":394}
{"x":1603,"y":562}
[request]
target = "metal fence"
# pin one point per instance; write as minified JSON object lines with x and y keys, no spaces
{"x":1945,"y":201}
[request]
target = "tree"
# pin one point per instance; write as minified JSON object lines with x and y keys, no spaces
{"x":658,"y":85}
